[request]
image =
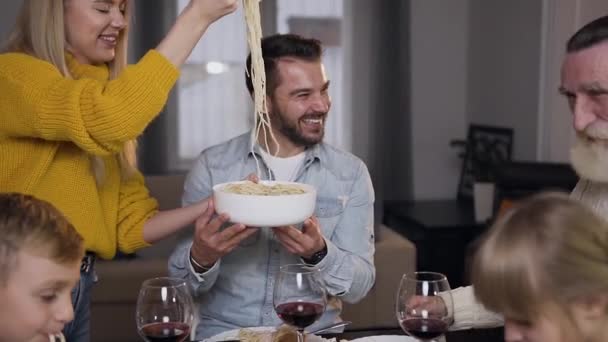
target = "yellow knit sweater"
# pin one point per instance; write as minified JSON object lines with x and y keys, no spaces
{"x":51,"y":125}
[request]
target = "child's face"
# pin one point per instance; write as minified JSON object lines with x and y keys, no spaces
{"x":36,"y":300}
{"x":552,"y":324}
{"x":541,"y":330}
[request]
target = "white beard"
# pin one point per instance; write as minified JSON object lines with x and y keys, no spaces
{"x":589,"y":159}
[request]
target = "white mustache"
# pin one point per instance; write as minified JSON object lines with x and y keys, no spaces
{"x":595,"y":131}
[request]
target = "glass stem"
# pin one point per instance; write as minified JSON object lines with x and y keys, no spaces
{"x":300,"y":335}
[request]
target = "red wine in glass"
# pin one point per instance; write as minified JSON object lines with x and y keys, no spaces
{"x":165,"y":332}
{"x":424,"y":307}
{"x":164,"y":311}
{"x":299,"y":296}
{"x":299,"y":314}
{"x":424,"y":328}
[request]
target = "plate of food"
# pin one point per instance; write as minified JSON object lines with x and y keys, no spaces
{"x":264,"y":334}
{"x":266,"y":203}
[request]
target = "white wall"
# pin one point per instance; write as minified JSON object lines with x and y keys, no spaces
{"x":439,"y":43}
{"x":8,"y":13}
{"x":504,"y":55}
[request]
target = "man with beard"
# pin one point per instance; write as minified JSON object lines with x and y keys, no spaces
{"x":584,"y":82}
{"x":585,"y":85}
{"x":233,"y":270}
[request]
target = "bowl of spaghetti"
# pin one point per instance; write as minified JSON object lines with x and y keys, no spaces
{"x":265,"y":204}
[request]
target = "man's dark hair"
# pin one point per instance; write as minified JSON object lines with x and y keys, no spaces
{"x":589,"y":35}
{"x":278,"y":46}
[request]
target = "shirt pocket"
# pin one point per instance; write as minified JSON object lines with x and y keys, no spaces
{"x":328,"y":207}
{"x":329,"y":211}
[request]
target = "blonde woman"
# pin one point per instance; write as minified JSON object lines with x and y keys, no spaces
{"x":544,"y":266}
{"x":70,"y":112}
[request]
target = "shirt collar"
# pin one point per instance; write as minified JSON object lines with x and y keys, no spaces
{"x":312,"y":153}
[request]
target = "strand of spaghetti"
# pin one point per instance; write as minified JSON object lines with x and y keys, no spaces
{"x":258,"y":78}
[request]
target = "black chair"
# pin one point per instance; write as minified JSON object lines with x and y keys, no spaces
{"x":485,"y":147}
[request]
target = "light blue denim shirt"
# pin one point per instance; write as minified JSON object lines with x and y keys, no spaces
{"x":238,"y":290}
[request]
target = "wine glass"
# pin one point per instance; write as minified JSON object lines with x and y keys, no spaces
{"x":425,"y":308}
{"x":164,"y":310}
{"x":299,"y":296}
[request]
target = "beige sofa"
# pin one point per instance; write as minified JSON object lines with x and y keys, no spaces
{"x":115,"y":295}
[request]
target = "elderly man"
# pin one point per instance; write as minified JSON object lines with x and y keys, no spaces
{"x":584,"y":82}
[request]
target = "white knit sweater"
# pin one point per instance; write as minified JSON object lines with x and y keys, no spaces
{"x":594,"y":195}
{"x":469,"y":313}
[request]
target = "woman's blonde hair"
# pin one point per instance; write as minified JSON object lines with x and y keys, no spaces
{"x":34,"y":225}
{"x":545,"y":253}
{"x":40,"y":31}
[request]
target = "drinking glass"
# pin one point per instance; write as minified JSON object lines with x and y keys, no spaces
{"x":164,"y":310}
{"x":299,"y":296}
{"x":424,"y":307}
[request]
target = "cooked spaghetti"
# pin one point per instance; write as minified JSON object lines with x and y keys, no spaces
{"x":282,"y":334}
{"x":252,"y":336}
{"x":258,"y":78}
{"x":251,"y":188}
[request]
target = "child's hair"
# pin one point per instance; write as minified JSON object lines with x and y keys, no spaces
{"x":27,"y":223}
{"x":542,"y":255}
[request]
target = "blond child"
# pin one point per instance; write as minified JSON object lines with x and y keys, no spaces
{"x":40,"y":259}
{"x":544,"y":266}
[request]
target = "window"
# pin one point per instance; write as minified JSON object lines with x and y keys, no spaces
{"x":213,"y":102}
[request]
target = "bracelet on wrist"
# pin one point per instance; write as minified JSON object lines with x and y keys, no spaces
{"x":198,"y":267}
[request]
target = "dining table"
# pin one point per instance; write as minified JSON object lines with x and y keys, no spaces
{"x":468,"y":335}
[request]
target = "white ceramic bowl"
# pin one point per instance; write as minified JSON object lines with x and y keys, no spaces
{"x":266,"y":211}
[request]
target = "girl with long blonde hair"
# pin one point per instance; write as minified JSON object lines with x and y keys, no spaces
{"x":70,"y":112}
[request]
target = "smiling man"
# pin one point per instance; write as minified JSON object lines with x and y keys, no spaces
{"x":233,"y":270}
{"x":585,"y":85}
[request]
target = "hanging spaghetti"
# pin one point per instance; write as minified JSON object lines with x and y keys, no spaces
{"x":258,"y":79}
